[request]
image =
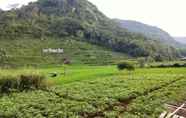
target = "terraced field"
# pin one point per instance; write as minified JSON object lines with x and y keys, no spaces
{"x":98,"y":91}
{"x":29,"y":52}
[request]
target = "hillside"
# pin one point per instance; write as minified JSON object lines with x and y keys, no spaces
{"x":29,"y":52}
{"x":149,"y":31}
{"x":182,"y":40}
{"x":78,"y":19}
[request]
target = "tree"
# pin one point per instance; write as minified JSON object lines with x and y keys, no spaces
{"x":126,"y":65}
{"x":66,"y":27}
{"x":142,"y":62}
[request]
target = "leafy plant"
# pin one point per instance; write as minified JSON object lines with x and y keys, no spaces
{"x":125,"y":65}
{"x":22,"y":83}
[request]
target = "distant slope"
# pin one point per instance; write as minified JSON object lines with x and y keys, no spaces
{"x":149,"y":31}
{"x":181,"y":39}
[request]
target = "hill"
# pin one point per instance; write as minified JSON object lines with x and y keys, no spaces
{"x":149,"y":31}
{"x":78,"y":19}
{"x":29,"y":52}
{"x":181,"y":39}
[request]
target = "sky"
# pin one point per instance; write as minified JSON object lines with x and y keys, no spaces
{"x":166,"y":14}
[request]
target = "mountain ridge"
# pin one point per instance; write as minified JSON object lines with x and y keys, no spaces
{"x":150,"y":31}
{"x":181,"y":39}
{"x":82,"y":19}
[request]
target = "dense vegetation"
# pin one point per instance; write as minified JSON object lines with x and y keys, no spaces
{"x":98,"y":91}
{"x":183,"y":51}
{"x":56,"y":85}
{"x":149,"y":31}
{"x":125,"y":65}
{"x":21,"y":83}
{"x":80,"y":19}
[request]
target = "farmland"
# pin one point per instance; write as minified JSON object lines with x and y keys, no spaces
{"x":70,"y":59}
{"x":97,"y":91}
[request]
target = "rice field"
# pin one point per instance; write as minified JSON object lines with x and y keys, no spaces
{"x":96,"y":91}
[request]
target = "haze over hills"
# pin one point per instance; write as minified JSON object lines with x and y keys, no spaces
{"x":76,"y":20}
{"x":149,"y":31}
{"x":181,"y":39}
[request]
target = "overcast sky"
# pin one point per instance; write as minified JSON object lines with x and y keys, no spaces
{"x":167,"y":14}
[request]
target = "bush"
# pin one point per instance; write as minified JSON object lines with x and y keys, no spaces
{"x":7,"y":84}
{"x":142,"y":62}
{"x":175,"y":65}
{"x":125,"y":65}
{"x":31,"y":82}
{"x":22,"y":83}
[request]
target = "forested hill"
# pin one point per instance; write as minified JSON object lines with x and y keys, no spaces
{"x":79,"y":19}
{"x":149,"y":31}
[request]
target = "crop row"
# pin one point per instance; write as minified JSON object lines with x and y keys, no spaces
{"x":89,"y":98}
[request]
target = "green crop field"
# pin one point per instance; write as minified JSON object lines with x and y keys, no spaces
{"x":96,"y":91}
{"x":69,"y":59}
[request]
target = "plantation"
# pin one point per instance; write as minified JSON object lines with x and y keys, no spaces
{"x":97,"y":91}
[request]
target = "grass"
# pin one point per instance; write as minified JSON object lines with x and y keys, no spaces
{"x":28,"y":52}
{"x":98,"y":91}
{"x":78,"y":73}
{"x":23,"y":82}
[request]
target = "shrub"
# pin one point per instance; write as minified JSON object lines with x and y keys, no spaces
{"x":31,"y":82}
{"x":162,"y":66}
{"x":125,"y":65}
{"x":7,"y":84}
{"x":22,"y":83}
{"x":177,"y":65}
{"x":184,"y":65}
{"x":142,"y":62}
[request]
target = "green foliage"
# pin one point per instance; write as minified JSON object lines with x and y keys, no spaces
{"x":183,"y":51}
{"x":149,"y":31}
{"x":66,"y":27}
{"x":29,"y":52}
{"x":125,"y":65}
{"x":3,"y":56}
{"x":171,"y":65}
{"x":142,"y":62}
{"x":100,"y":90}
{"x":21,"y":83}
{"x":80,"y":19}
{"x":27,"y":82}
